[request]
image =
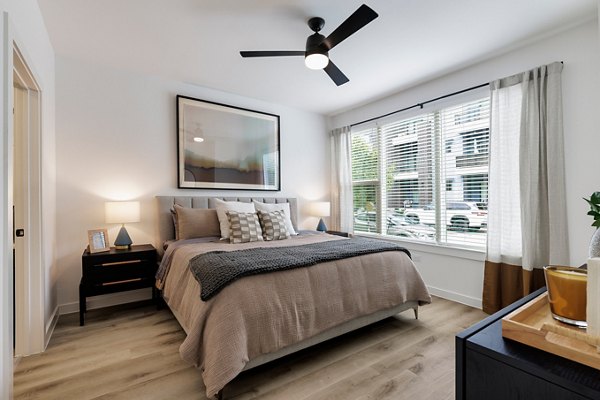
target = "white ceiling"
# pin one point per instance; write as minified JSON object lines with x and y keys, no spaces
{"x":198,"y":41}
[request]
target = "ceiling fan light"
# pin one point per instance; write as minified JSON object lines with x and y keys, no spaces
{"x":316,"y":61}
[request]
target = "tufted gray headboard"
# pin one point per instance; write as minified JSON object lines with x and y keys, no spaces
{"x":166,"y":230}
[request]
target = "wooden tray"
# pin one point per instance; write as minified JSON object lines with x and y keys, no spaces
{"x":533,"y":325}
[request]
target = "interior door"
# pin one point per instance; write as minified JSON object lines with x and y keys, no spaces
{"x":19,"y":148}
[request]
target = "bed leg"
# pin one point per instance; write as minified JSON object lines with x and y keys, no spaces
{"x":416,"y":310}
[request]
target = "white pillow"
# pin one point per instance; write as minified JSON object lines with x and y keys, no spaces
{"x":224,"y":206}
{"x":285,"y":207}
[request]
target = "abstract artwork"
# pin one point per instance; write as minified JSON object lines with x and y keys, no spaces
{"x":226,"y":147}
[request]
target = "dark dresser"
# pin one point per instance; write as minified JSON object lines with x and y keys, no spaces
{"x":489,"y":367}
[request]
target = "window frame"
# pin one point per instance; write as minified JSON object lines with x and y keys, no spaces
{"x":443,"y":144}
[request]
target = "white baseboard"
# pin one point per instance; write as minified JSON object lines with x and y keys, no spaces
{"x":50,"y":327}
{"x":107,"y":300}
{"x":459,"y":298}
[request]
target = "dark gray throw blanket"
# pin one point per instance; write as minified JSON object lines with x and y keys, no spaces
{"x":216,"y":269}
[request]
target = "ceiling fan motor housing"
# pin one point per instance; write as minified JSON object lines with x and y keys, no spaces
{"x":313,"y":44}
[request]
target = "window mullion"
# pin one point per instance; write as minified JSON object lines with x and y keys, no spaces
{"x":382,"y":172}
{"x":437,"y":176}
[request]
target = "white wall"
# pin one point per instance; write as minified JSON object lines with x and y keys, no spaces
{"x":579,"y":49}
{"x":116,"y":139}
{"x":30,"y":35}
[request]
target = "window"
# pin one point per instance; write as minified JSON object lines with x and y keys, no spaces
{"x":365,"y":179}
{"x":425,"y":177}
{"x":476,"y":142}
{"x":406,"y":157}
{"x":472,"y":112}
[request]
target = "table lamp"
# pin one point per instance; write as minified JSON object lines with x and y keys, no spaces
{"x":321,"y":209}
{"x":122,"y":212}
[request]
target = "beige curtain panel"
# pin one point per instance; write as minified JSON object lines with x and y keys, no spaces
{"x":527,"y":224}
{"x":341,"y":180}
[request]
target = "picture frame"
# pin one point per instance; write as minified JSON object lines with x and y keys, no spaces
{"x":226,"y":147}
{"x":98,"y":240}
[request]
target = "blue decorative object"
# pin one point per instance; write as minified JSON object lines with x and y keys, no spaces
{"x":122,"y":212}
{"x":321,"y":227}
{"x":123,"y":241}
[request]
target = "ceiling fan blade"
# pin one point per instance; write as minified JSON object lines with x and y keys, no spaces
{"x":335,"y":74}
{"x":361,"y":17}
{"x":276,"y":53}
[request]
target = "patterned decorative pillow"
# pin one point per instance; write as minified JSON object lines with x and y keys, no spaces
{"x":285,"y":207}
{"x":243,"y":227}
{"x":224,"y":206}
{"x":273,"y":225}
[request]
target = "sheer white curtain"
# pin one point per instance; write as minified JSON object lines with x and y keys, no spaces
{"x":504,"y":240}
{"x":341,"y":180}
{"x":527,"y":224}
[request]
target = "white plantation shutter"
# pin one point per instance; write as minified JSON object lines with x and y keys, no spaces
{"x":424,"y":177}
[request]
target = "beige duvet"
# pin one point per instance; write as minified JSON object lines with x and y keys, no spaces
{"x":264,"y":313}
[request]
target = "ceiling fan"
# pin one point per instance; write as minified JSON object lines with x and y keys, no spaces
{"x":316,"y":55}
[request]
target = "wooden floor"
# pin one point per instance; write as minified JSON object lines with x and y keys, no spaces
{"x":131,"y":352}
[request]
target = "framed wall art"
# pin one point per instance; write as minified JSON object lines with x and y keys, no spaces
{"x":226,"y":147}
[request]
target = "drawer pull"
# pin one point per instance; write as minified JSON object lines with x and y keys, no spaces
{"x":118,"y":282}
{"x":111,"y":264}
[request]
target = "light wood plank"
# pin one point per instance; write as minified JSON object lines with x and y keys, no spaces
{"x":131,"y":352}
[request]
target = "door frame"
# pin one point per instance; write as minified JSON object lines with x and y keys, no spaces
{"x":34,"y":298}
{"x":30,"y":277}
{"x":6,"y":258}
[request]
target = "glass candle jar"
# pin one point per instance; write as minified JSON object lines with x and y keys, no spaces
{"x":567,"y":294}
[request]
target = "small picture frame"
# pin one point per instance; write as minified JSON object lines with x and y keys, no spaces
{"x":98,"y":240}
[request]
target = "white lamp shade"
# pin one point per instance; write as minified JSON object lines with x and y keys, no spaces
{"x":121,"y":212}
{"x":320,"y":208}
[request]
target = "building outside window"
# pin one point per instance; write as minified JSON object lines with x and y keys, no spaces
{"x":424,"y":178}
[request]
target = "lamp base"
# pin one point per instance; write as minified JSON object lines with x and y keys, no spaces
{"x":321,"y":227}
{"x":123,"y":241}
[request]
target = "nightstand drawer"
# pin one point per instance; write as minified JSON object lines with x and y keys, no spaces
{"x":117,"y":271}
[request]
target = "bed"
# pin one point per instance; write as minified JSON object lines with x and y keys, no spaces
{"x":259,"y":318}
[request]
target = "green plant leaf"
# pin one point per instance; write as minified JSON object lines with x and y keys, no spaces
{"x":594,"y":203}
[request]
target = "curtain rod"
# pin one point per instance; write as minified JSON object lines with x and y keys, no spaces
{"x":420,"y":104}
{"x":423,"y":103}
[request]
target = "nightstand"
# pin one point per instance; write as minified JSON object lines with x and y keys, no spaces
{"x":116,"y":271}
